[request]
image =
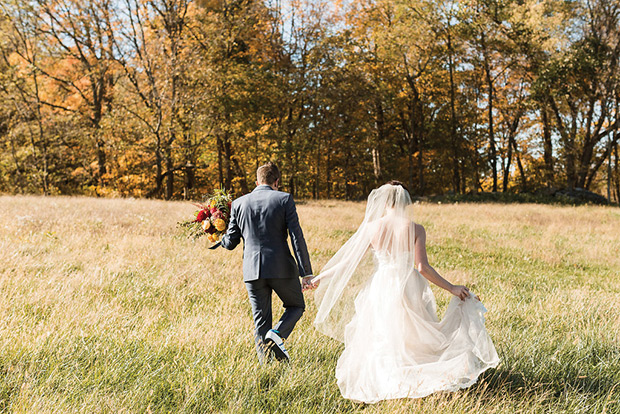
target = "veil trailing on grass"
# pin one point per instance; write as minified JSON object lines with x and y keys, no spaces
{"x":387,"y":229}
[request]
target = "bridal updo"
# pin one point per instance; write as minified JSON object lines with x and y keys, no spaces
{"x":397,"y":197}
{"x":399,"y":183}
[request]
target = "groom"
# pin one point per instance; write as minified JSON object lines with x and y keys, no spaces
{"x":262,"y":219}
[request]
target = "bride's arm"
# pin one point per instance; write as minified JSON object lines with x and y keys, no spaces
{"x":426,"y":270}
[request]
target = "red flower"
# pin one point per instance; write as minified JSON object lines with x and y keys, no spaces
{"x":202,"y":214}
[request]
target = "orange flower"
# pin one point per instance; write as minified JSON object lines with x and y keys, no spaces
{"x":211,"y":238}
{"x":206,"y":224}
{"x":220,"y":224}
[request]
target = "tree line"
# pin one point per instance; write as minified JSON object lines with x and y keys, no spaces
{"x":173,"y":98}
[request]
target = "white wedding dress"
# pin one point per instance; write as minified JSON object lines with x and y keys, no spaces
{"x":395,"y":346}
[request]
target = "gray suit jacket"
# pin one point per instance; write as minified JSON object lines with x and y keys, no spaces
{"x":262,"y":219}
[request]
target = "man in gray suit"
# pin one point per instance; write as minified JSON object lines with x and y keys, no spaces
{"x":262,"y":219}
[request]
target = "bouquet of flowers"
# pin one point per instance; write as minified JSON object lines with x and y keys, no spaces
{"x":211,"y":219}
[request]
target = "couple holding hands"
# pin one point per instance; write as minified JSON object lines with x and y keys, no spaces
{"x":395,"y":346}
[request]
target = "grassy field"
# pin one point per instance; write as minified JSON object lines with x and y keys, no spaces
{"x":104,"y":308}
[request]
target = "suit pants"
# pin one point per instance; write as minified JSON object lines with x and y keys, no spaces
{"x":289,"y":292}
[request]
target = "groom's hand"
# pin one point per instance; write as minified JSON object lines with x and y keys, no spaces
{"x":306,"y":283}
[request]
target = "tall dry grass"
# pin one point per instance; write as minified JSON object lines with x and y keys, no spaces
{"x":106,"y":309}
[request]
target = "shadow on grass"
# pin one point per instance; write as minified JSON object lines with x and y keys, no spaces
{"x":520,"y":383}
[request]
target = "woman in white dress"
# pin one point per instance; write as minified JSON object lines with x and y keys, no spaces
{"x":385,"y":313}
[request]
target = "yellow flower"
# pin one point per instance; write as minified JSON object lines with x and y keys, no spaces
{"x":212,"y":203}
{"x":206,"y":224}
{"x":220,"y":224}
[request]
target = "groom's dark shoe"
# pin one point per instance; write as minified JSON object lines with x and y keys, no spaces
{"x":276,"y":344}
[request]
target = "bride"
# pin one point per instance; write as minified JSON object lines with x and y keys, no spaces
{"x":384,"y":311}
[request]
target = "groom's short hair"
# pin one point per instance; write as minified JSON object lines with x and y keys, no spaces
{"x":267,"y":174}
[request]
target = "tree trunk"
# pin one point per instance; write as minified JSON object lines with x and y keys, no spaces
{"x":41,"y":133}
{"x":328,"y":169}
{"x":410,"y":165}
{"x":189,"y":179}
{"x":376,"y":151}
{"x":220,"y":160}
{"x":599,"y":162}
{"x":584,"y":164}
{"x":507,"y":165}
{"x":101,"y":159}
{"x":571,"y":179}
{"x":617,"y":168}
{"x":317,"y":171}
{"x":159,"y":179}
{"x":44,"y":173}
{"x":489,"y":81}
{"x":520,"y":165}
{"x":512,"y":144}
{"x":456,"y":179}
{"x":169,"y":174}
{"x":408,"y":147}
{"x":547,"y":146}
{"x":228,"y":162}
{"x":421,"y":182}
{"x":98,"y":86}
{"x":243,"y":182}
{"x":476,"y":172}
{"x":609,"y":170}
{"x":415,"y":132}
{"x":21,"y":186}
{"x":568,"y":141}
{"x":291,"y":183}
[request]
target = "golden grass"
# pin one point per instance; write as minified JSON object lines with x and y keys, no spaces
{"x":106,"y":309}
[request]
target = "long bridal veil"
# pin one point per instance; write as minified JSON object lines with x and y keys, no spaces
{"x":372,"y":298}
{"x":388,"y":229}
